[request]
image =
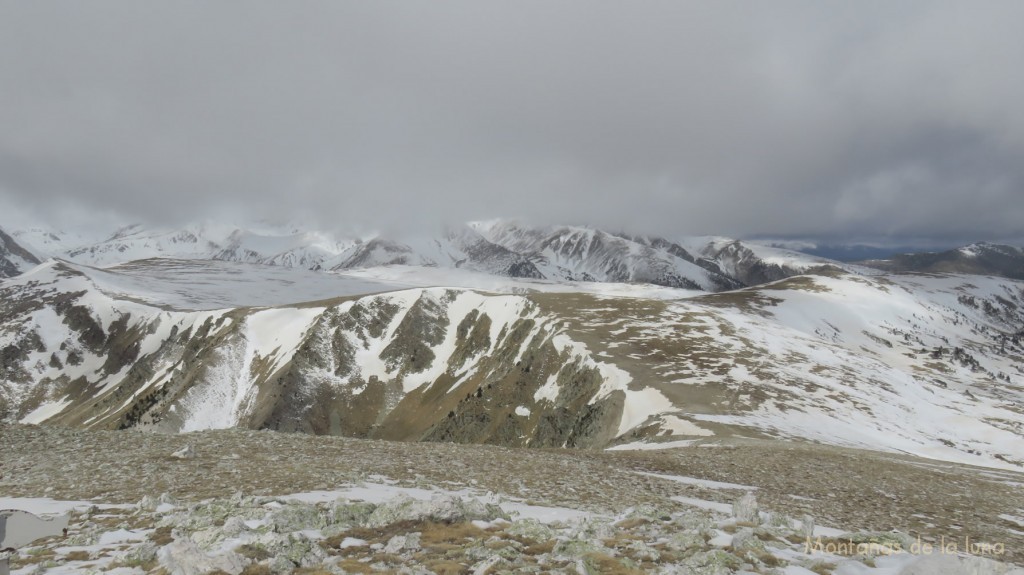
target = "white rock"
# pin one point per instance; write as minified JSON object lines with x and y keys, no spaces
{"x":187,"y":452}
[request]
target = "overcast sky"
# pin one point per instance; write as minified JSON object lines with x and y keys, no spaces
{"x":850,"y":119}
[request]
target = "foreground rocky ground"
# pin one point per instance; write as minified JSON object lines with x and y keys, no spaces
{"x":263,"y":502}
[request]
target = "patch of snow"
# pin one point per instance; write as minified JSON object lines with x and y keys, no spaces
{"x":645,"y":446}
{"x":352,"y":542}
{"x":704,"y":504}
{"x":121,"y":536}
{"x":679,"y":426}
{"x":700,"y":482}
{"x":45,"y":411}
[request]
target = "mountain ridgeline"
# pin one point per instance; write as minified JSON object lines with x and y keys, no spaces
{"x":500,"y":248}
{"x":980,"y":258}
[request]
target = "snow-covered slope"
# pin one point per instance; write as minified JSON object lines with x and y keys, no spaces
{"x":927,"y":365}
{"x":14,"y":258}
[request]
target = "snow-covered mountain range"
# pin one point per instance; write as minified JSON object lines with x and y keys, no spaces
{"x":501,"y":248}
{"x":505,"y":333}
{"x":925,"y":364}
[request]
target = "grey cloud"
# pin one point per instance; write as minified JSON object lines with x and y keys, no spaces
{"x":783,"y":118}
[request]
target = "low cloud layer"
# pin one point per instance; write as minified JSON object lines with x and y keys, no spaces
{"x":840,"y":120}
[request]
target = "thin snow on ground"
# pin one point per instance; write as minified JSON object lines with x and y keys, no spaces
{"x":704,"y":504}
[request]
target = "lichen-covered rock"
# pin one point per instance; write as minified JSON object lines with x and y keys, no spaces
{"x":574,"y":548}
{"x":779,"y":520}
{"x":234,"y":526}
{"x":530,"y":529}
{"x":280,"y":565}
{"x":296,"y":548}
{"x":210,"y":514}
{"x":713,"y":562}
{"x":692,"y":520}
{"x":137,"y":555}
{"x":147,"y":504}
{"x":444,"y":509}
{"x":746,"y":510}
{"x":488,"y":564}
{"x":403,"y":543}
{"x":745,"y":544}
{"x":296,"y":517}
{"x":807,"y":526}
{"x":685,"y":541}
{"x":186,"y":558}
{"x":507,"y":549}
{"x":648,"y":512}
{"x":642,"y":550}
{"x":347,"y":514}
{"x":594,"y":528}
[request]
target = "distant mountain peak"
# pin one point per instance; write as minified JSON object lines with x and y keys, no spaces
{"x":980,"y":258}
